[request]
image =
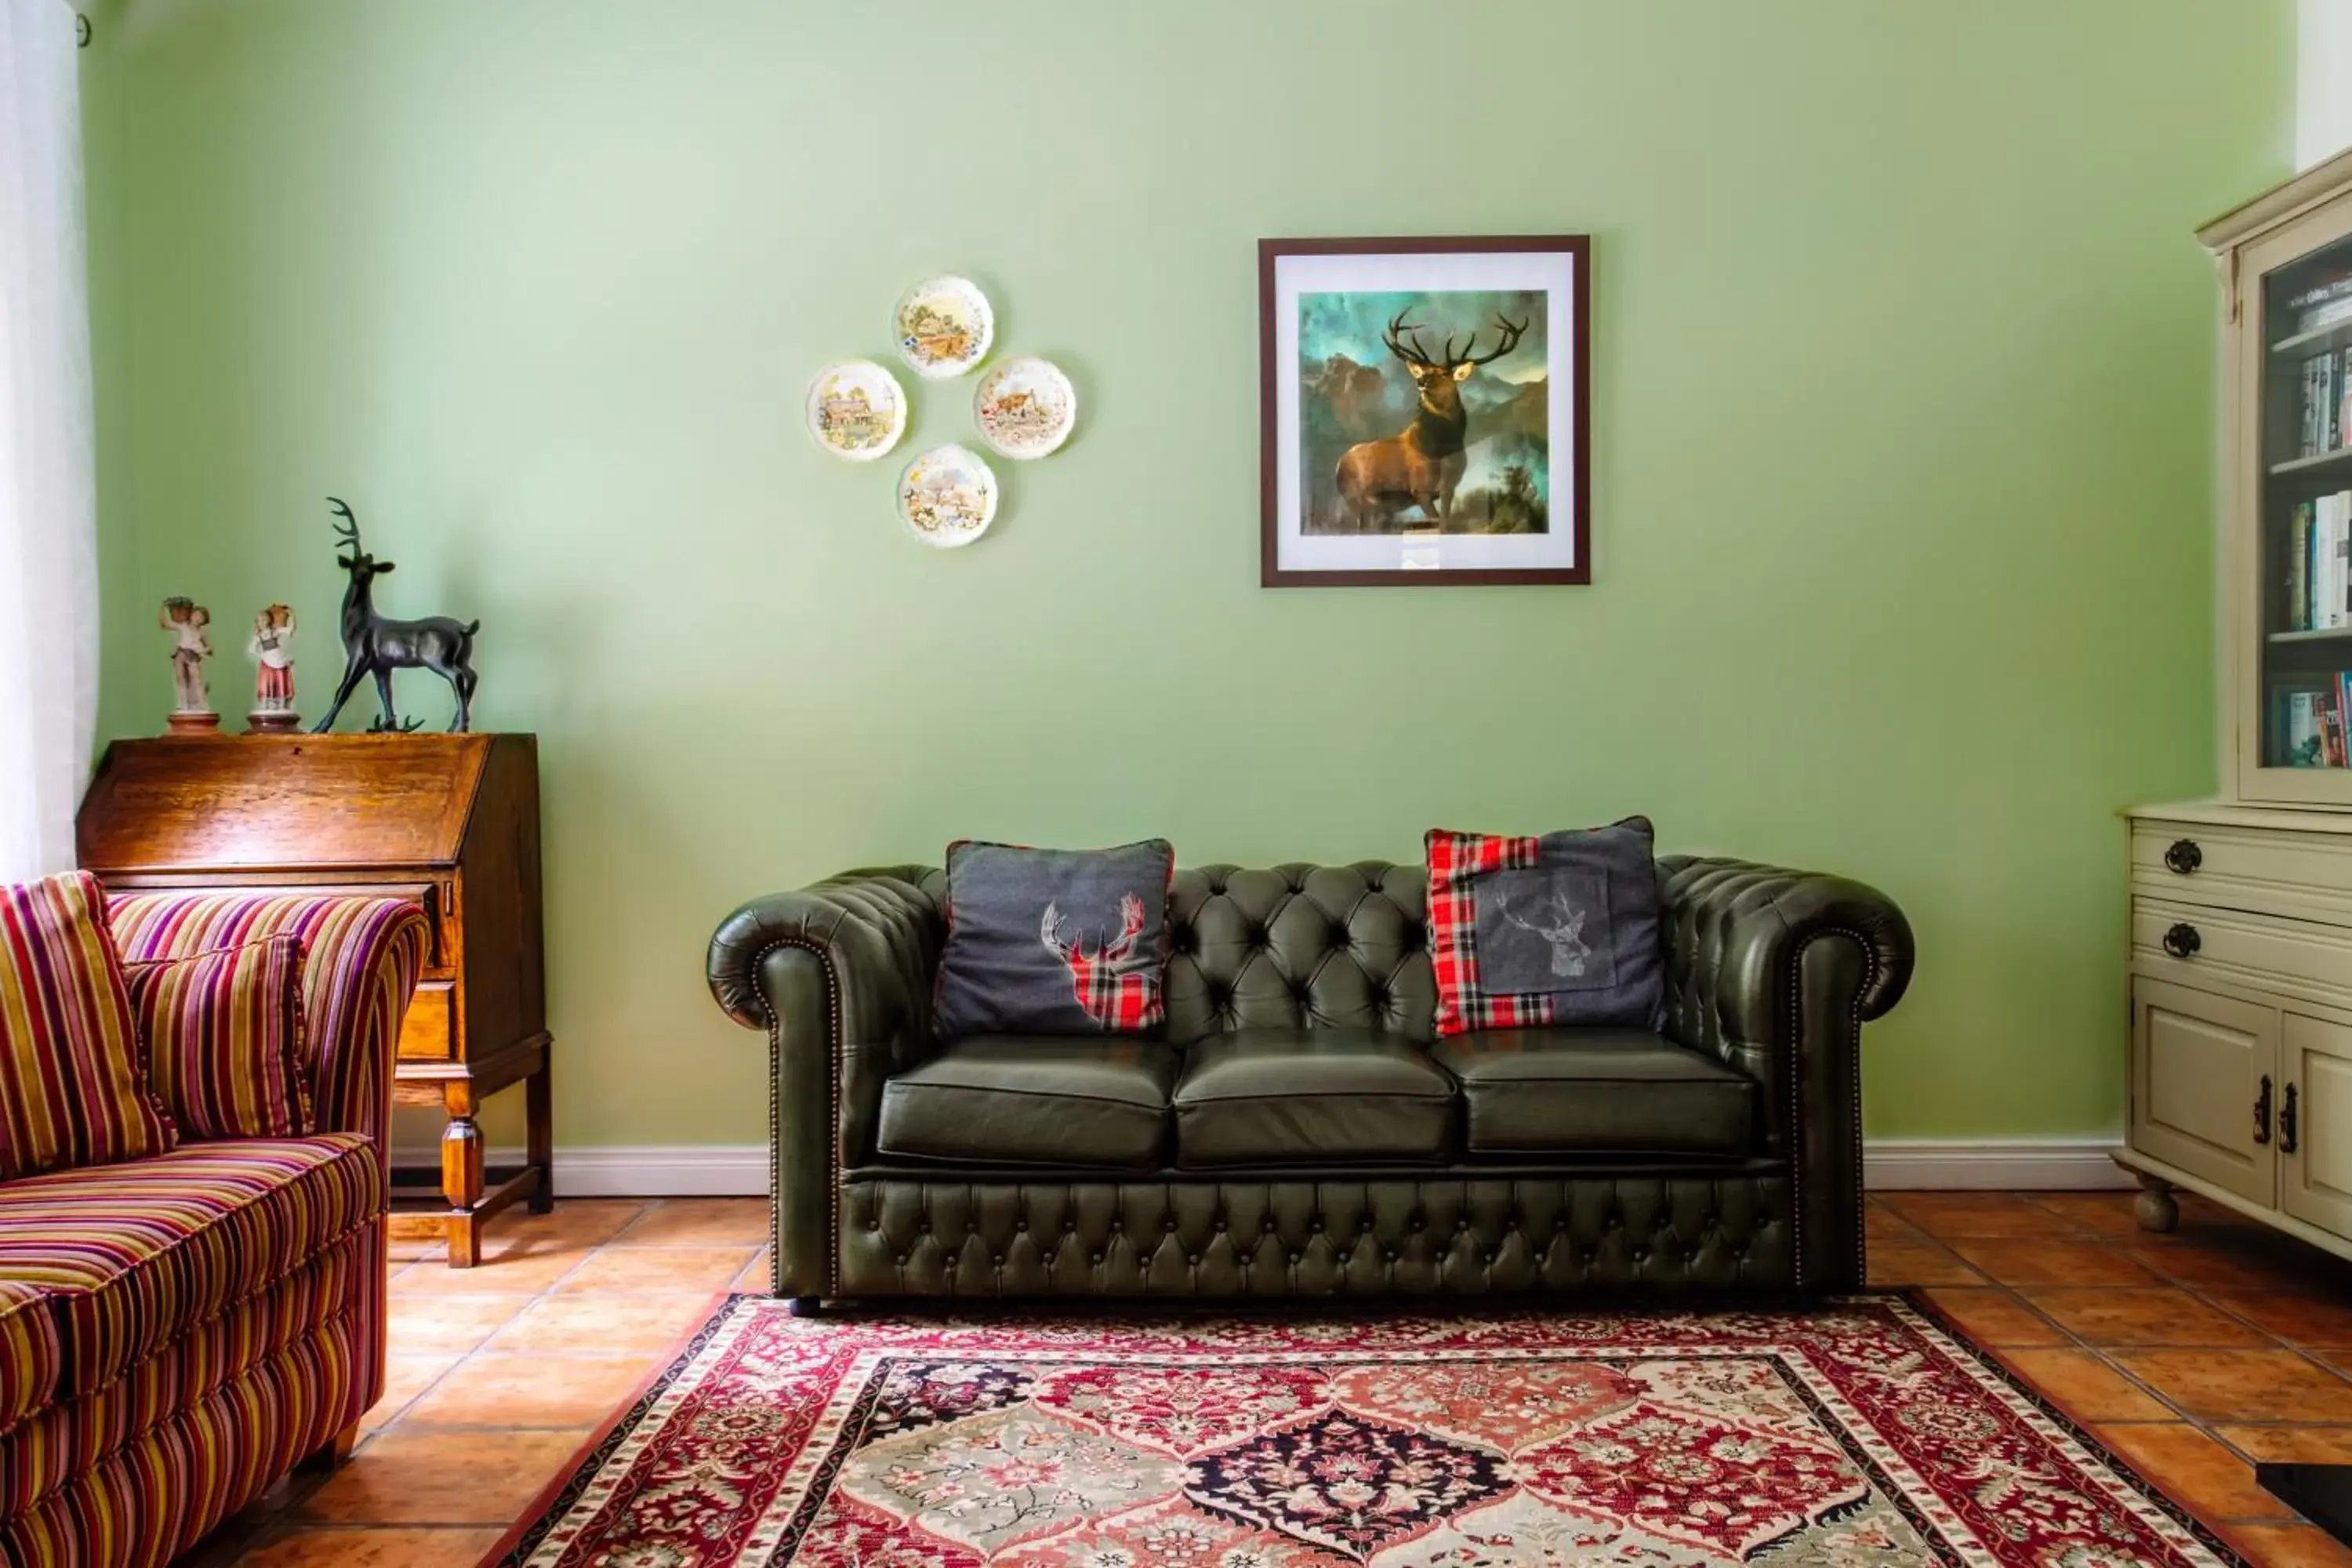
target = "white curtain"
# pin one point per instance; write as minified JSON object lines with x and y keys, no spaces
{"x":48,"y":505}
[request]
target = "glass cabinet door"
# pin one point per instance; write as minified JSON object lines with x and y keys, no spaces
{"x":2294,"y":342}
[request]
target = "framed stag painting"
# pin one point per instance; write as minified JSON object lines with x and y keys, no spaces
{"x":1425,"y":411}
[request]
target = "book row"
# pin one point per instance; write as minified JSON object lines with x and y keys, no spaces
{"x":2309,"y":722}
{"x":2319,"y":564}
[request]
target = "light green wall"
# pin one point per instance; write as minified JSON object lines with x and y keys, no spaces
{"x":1902,"y":447}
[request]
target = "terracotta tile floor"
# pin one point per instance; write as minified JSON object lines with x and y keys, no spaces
{"x":2190,"y":1354}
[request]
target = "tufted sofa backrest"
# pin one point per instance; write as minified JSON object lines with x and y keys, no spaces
{"x":1293,"y":947}
{"x":1299,"y":947}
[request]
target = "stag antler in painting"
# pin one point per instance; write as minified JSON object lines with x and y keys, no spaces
{"x":377,"y":645}
{"x":1421,"y":465}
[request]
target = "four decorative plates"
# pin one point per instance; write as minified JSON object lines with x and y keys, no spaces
{"x":947,"y":497}
{"x":1024,"y":408}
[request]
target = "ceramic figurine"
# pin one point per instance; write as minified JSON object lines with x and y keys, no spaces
{"x":378,"y":645}
{"x":192,"y":709}
{"x":271,"y":648}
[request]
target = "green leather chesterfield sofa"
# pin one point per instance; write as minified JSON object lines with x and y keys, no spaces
{"x":1296,"y":1132}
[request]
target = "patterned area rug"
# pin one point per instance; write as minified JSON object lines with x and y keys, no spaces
{"x":1856,"y":1433}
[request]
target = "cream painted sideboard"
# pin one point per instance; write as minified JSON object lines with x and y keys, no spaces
{"x":2240,"y":1053}
{"x":2241,"y":1013}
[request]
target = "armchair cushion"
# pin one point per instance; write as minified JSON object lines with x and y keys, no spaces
{"x":30,"y":1360}
{"x":71,"y":1092}
{"x":223,"y":1032}
{"x":1039,"y":1099}
{"x":363,"y":958}
{"x":1599,"y":1091}
{"x":133,"y":1255}
{"x":1277,"y":1097}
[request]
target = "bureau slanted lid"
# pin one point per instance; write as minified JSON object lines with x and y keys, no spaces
{"x":265,"y":802}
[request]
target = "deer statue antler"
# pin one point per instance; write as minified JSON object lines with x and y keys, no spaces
{"x":1509,"y":332}
{"x":350,"y":535}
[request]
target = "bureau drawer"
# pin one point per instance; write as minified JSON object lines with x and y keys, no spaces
{"x":2303,"y":958}
{"x":2307,"y":874}
{"x":430,"y":1031}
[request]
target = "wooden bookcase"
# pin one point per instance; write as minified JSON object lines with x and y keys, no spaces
{"x":449,"y":821}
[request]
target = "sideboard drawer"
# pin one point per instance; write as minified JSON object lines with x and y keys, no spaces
{"x":2305,"y":874}
{"x":429,"y":1033}
{"x":2299,"y":957}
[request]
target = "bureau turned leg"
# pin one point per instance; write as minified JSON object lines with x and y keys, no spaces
{"x":538,"y":1135}
{"x":461,"y":1175}
{"x":2155,"y":1208}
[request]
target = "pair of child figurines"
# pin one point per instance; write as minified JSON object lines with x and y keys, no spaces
{"x":271,"y":648}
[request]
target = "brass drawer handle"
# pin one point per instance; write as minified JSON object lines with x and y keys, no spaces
{"x":2262,"y":1112}
{"x":2184,"y":857}
{"x":2182,"y":941}
{"x":2287,"y":1119}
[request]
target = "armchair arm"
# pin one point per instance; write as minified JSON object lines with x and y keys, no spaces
{"x":840,"y":976}
{"x":1775,"y":971}
{"x":363,"y":958}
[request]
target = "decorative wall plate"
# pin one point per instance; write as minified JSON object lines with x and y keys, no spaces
{"x":947,"y":497}
{"x":857,"y":410}
{"x":1025,"y":407}
{"x":943,"y":327}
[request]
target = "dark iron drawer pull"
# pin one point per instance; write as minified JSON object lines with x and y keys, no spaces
{"x":2287,"y":1123}
{"x":2262,"y":1112}
{"x":2182,"y":941}
{"x":2184,"y":857}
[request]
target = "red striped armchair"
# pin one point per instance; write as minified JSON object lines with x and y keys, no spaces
{"x":177,"y":1332}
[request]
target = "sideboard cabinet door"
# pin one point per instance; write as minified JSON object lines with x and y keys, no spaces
{"x":2315,"y":1141}
{"x":2205,"y":1090}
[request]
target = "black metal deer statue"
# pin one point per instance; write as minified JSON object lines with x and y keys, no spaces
{"x":376,"y":645}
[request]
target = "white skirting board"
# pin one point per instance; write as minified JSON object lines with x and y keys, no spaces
{"x":730,"y":1169}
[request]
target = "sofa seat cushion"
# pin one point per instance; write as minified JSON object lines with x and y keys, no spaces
{"x":30,"y":1358}
{"x":1032,"y":1099}
{"x":133,"y":1256}
{"x":1275,"y":1097}
{"x":1597,"y":1091}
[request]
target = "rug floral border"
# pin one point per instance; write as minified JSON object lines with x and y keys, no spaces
{"x":561,"y":1496}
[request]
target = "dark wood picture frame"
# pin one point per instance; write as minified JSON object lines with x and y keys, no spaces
{"x":1577,"y":471}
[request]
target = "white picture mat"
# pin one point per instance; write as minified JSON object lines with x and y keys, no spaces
{"x":1553,"y":271}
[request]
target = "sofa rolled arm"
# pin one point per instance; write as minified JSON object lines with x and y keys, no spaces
{"x":1774,"y":971}
{"x":1734,"y":929}
{"x":362,"y":958}
{"x":878,"y":929}
{"x":839,"y":974}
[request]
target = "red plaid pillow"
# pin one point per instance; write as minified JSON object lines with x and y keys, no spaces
{"x":1600,"y":961}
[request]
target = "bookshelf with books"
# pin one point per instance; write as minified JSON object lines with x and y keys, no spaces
{"x":2288,"y":679}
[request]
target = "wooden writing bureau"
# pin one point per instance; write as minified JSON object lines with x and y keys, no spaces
{"x":450,"y":821}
